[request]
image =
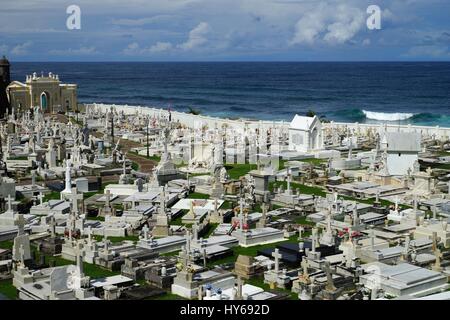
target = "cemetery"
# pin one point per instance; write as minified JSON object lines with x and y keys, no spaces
{"x":124,"y":202}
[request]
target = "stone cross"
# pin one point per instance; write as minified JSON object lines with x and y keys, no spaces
{"x":52,"y":226}
{"x":162,"y":201}
{"x":241,"y":213}
{"x":145,"y":230}
{"x":300,"y":231}
{"x":188,"y":242}
{"x":41,"y":198}
{"x":89,"y":234}
{"x":239,"y":287}
{"x":277,"y":256}
{"x":415,"y":204}
{"x":314,"y":239}
{"x":33,"y":177}
{"x":22,"y":254}
{"x":355,"y":214}
{"x":107,"y":198}
{"x":9,"y":203}
{"x":304,"y":265}
{"x":74,"y":196}
{"x":19,"y":221}
{"x":80,"y":253}
{"x":372,"y":237}
{"x":68,"y":178}
{"x":288,"y":173}
{"x":195,"y":230}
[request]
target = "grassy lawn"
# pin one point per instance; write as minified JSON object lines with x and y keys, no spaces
{"x":304,"y":189}
{"x":236,"y":171}
{"x":170,"y":254}
{"x":96,"y":218}
{"x":87,"y":195}
{"x":54,"y":195}
{"x":135,"y":166}
{"x":153,"y":158}
{"x":7,"y":289}
{"x":250,"y":251}
{"x":197,"y":195}
{"x":8,"y":244}
{"x":302,"y":220}
{"x":90,"y":270}
{"x":314,"y":161}
{"x":211,"y":227}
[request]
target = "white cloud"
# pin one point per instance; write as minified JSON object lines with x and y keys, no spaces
{"x":431,"y":51}
{"x":82,"y":51}
{"x":21,"y":49}
{"x":134,"y":48}
{"x":161,"y":47}
{"x":328,"y":24}
{"x":141,"y":21}
{"x":197,"y":37}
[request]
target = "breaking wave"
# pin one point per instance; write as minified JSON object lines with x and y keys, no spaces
{"x":362,"y":116}
{"x":385,"y":116}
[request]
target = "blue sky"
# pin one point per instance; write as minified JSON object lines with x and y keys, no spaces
{"x":225,"y":30}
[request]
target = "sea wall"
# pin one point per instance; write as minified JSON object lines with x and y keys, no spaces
{"x":197,"y":121}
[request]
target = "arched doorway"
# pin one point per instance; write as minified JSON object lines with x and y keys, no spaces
{"x":314,"y":138}
{"x":45,"y":102}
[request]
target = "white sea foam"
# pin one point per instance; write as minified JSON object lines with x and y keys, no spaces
{"x":383,"y":116}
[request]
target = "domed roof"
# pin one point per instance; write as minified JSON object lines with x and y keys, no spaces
{"x":4,"y":61}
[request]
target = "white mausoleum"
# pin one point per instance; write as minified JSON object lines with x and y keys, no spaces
{"x":305,"y":134}
{"x":402,"y":151}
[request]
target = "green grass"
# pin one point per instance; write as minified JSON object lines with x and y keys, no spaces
{"x":250,"y":251}
{"x":90,"y":270}
{"x":7,"y":289}
{"x":135,"y":166}
{"x":235,"y":171}
{"x":177,"y":221}
{"x":18,"y":158}
{"x":54,"y":195}
{"x":153,"y":158}
{"x":117,"y":239}
{"x":302,"y":220}
{"x":197,"y":195}
{"x":87,"y":195}
{"x":211,"y":227}
{"x":304,"y":189}
{"x":96,"y":218}
{"x":170,"y":254}
{"x":8,"y":244}
{"x":314,"y":161}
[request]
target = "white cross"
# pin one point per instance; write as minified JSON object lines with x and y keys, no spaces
{"x":300,"y":230}
{"x":145,"y":231}
{"x":277,"y":256}
{"x":9,"y":202}
{"x":40,"y":197}
{"x":74,"y":196}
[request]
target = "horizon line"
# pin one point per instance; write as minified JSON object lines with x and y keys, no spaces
{"x":231,"y":61}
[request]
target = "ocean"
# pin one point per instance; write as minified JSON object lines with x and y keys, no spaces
{"x":364,"y":92}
